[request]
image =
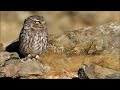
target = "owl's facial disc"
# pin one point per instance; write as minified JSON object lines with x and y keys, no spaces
{"x":35,"y":22}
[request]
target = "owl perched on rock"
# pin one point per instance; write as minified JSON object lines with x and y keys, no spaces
{"x":33,"y":37}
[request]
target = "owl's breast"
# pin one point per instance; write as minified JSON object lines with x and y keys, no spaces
{"x":39,"y":43}
{"x":33,"y":42}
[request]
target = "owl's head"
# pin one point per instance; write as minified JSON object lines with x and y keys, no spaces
{"x":35,"y":22}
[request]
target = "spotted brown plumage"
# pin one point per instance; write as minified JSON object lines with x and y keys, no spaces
{"x":33,"y":37}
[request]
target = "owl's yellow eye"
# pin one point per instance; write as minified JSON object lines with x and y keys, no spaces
{"x":38,"y":22}
{"x":43,"y":22}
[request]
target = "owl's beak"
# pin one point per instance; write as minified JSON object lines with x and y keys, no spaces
{"x":41,"y":25}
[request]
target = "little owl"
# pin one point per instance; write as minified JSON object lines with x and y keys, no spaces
{"x":33,"y":37}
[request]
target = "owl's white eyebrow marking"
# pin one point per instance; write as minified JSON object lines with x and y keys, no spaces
{"x":35,"y":19}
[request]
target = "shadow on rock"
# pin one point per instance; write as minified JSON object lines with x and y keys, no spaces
{"x":14,"y":47}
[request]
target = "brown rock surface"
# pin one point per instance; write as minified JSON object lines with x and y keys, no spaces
{"x":1,"y":47}
{"x":99,"y":45}
{"x":10,"y":69}
{"x":19,"y":68}
{"x":32,"y":68}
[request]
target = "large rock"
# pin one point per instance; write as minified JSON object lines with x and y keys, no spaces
{"x":92,"y":40}
{"x":13,"y":67}
{"x":99,"y":45}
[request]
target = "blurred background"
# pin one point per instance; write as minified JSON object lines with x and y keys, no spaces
{"x":57,"y":21}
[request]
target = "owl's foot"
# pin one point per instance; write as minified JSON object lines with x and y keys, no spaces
{"x":28,"y":58}
{"x":37,"y":57}
{"x":33,"y":57}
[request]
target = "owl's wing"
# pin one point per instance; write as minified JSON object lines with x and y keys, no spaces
{"x":24,"y":35}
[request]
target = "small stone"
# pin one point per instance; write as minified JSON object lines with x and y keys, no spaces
{"x":4,"y":56}
{"x":14,"y":55}
{"x":82,"y":74}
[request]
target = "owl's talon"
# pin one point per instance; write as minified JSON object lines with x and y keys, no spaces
{"x":29,"y":56}
{"x":37,"y":57}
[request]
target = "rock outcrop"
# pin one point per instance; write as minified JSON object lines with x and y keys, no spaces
{"x":97,"y":49}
